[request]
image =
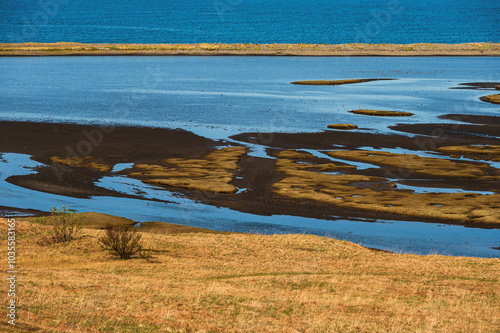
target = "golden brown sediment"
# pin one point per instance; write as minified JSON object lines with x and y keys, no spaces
{"x":346,"y":127}
{"x":378,"y":113}
{"x":285,"y":158}
{"x":285,"y":163}
{"x":211,"y":174}
{"x":357,"y":49}
{"x":380,"y":195}
{"x":495,"y":99}
{"x":84,"y":162}
{"x":411,"y":163}
{"x":489,"y":153}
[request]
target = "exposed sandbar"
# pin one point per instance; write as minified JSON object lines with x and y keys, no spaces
{"x":345,"y":127}
{"x":335,"y":82}
{"x":478,"y":86}
{"x":495,"y":99}
{"x":379,"y":113}
{"x":398,"y":50}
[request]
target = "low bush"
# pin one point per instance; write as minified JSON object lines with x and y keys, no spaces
{"x":66,"y":224}
{"x":121,"y":241}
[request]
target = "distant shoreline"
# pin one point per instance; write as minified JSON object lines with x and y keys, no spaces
{"x":206,"y":49}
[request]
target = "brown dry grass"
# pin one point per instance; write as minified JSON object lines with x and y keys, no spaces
{"x":421,"y":49}
{"x":200,"y":282}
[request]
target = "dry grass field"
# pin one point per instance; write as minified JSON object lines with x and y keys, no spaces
{"x":200,"y":281}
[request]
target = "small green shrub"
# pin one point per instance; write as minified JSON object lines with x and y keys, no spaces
{"x":122,"y":241}
{"x":66,"y":224}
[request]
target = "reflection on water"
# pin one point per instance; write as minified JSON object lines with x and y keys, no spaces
{"x":217,"y":97}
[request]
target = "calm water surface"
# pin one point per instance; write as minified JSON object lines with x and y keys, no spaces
{"x":221,"y":96}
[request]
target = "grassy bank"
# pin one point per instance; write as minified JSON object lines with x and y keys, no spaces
{"x":420,"y":49}
{"x":197,"y":280}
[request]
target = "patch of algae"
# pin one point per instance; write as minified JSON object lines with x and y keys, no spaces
{"x":85,"y":162}
{"x":487,"y":153}
{"x":211,"y":174}
{"x":285,"y":157}
{"x":342,"y":126}
{"x":295,"y":155}
{"x":416,"y":164}
{"x":324,"y":167}
{"x":382,"y":113}
{"x":495,"y":99}
{"x":379,"y":195}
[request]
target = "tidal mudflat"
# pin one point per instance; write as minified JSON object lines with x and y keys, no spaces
{"x":252,"y":152}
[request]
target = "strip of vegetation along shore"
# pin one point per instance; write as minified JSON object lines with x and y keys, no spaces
{"x":356,"y":49}
{"x":187,"y":279}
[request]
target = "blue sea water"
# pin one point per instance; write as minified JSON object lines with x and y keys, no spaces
{"x":217,"y":97}
{"x":250,"y":21}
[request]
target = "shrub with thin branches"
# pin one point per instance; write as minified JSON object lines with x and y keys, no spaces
{"x":122,"y":241}
{"x":66,"y":224}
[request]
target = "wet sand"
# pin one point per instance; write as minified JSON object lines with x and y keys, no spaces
{"x":205,"y":49}
{"x":257,"y":175}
